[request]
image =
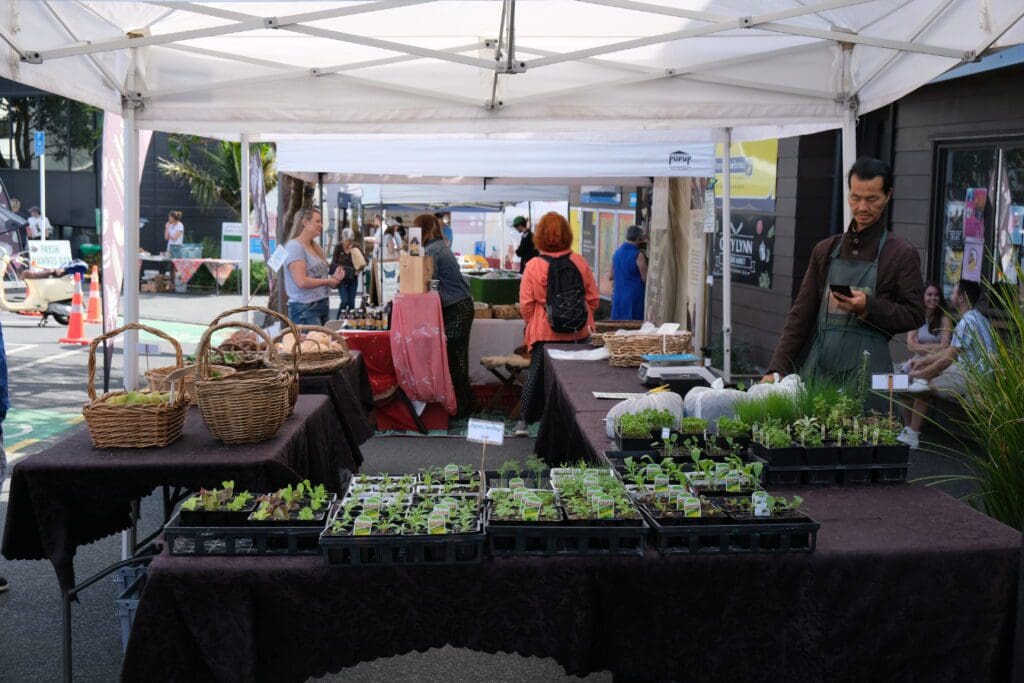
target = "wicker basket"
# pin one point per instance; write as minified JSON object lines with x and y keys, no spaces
{"x":157,"y":378}
{"x":319,"y":362}
{"x":506,"y":311}
{"x":244,"y":407}
{"x":604,"y":326}
{"x":628,"y":350}
{"x":136,"y":425}
{"x":255,"y":352}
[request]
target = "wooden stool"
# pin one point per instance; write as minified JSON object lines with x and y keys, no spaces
{"x":507,"y":369}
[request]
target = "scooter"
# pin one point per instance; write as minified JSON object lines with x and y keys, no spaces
{"x":46,"y":293}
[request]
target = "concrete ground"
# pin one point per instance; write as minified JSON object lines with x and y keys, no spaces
{"x":47,"y":384}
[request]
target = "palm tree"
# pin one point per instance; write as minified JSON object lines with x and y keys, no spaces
{"x":215,"y":176}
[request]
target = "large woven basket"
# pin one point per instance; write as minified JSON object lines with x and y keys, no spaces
{"x":321,"y":362}
{"x":506,"y":311}
{"x":255,"y":352}
{"x":628,"y":350}
{"x":247,"y":406}
{"x":135,"y":425}
{"x":603,"y":326}
{"x":157,"y":378}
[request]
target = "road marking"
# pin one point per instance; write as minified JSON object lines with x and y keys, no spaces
{"x":12,"y":349}
{"x":20,"y":445}
{"x":47,"y":359}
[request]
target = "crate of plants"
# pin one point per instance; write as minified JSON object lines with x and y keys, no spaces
{"x":450,"y":479}
{"x":732,"y":433}
{"x":382,"y":485}
{"x":639,"y":431}
{"x":534,"y":474}
{"x":218,"y":507}
{"x":433,"y":530}
{"x":285,"y":522}
{"x":600,"y":518}
{"x":733,"y":477}
{"x":523,"y":521}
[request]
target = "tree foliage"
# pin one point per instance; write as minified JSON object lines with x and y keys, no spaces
{"x":69,"y":125}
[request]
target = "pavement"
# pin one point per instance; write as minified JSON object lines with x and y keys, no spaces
{"x":47,"y":382}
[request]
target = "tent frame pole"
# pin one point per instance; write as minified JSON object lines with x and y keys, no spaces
{"x":131,"y":231}
{"x":849,"y":128}
{"x":246,"y":210}
{"x":727,"y":255}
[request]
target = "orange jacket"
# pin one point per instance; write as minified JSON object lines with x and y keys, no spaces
{"x":533,"y":296}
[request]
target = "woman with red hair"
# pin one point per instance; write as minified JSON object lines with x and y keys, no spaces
{"x":553,"y":239}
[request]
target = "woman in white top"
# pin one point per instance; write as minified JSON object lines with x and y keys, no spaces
{"x":934,"y":335}
{"x":174,"y":230}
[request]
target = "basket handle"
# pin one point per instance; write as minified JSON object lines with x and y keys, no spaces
{"x":91,"y":384}
{"x":316,"y":328}
{"x":267,"y":312}
{"x":203,"y":356}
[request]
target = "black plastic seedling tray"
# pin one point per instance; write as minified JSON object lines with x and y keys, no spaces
{"x":376,"y":551}
{"x":567,"y":538}
{"x":702,"y":536}
{"x":805,"y":475}
{"x":275,"y":540}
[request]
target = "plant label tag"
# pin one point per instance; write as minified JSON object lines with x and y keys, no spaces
{"x":362,"y":526}
{"x":486,"y":432}
{"x":652,"y":471}
{"x":666,"y":433}
{"x":531,"y":507}
{"x":759,"y":504}
{"x":881,"y":382}
{"x":591,"y":481}
{"x":451,"y":472}
{"x":661,"y":483}
{"x":689,"y":505}
{"x":517,"y":483}
{"x":276,"y":259}
{"x":732,"y":481}
{"x":593,"y":492}
{"x":676,"y":489}
{"x":146,"y":349}
{"x":720,"y":469}
{"x":436,"y":525}
{"x":605,"y":506}
{"x":371,"y":506}
{"x":591,"y":472}
{"x":442,"y":510}
{"x":530,"y":514}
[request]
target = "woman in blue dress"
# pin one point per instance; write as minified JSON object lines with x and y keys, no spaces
{"x":629,"y":273}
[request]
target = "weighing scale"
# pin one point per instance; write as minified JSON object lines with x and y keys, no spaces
{"x":680,"y":371}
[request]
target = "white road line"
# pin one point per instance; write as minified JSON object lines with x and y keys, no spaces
{"x":47,"y":359}
{"x":12,"y":349}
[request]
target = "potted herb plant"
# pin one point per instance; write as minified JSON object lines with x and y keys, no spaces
{"x":732,"y":428}
{"x":774,"y":444}
{"x":633,"y":432}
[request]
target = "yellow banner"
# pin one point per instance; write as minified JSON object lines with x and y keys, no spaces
{"x":754,"y":169}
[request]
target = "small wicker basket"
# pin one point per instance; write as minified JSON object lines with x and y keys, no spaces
{"x":321,"y":362}
{"x":604,"y":326}
{"x":248,"y":406}
{"x":133,"y":425}
{"x":628,"y":350}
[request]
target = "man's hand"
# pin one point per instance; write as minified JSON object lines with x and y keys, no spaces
{"x":856,"y":304}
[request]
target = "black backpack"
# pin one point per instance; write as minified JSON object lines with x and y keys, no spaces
{"x":566,"y":304}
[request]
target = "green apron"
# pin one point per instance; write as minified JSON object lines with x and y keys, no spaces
{"x":841,"y":338}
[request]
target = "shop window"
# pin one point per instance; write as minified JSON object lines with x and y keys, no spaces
{"x":981,"y":208}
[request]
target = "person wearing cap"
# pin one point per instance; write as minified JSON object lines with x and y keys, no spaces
{"x":352,"y":262}
{"x":629,"y":277}
{"x":38,"y":224}
{"x":525,"y":251}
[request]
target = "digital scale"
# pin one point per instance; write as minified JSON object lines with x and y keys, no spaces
{"x":680,"y":371}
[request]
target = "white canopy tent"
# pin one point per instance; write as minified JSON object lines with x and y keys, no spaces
{"x":550,"y":69}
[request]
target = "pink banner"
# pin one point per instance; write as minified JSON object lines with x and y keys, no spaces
{"x":113,"y":212}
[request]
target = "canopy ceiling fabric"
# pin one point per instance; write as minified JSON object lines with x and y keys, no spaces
{"x":766,"y":68}
{"x":463,"y":195}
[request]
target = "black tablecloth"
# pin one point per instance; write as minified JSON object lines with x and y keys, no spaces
{"x":906,"y":584}
{"x":352,"y":398}
{"x":72,"y":494}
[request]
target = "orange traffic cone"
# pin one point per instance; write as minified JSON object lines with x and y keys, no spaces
{"x":95,"y":314}
{"x":76,"y":327}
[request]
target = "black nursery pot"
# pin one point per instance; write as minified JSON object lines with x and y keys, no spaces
{"x":857,"y":455}
{"x":741,"y":441}
{"x":892,"y":455}
{"x":790,"y":456}
{"x":821,"y":456}
{"x":634,"y":443}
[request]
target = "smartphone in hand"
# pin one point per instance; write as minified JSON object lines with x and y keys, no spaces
{"x":841,"y":289}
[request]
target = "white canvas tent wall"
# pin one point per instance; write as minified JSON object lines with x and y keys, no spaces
{"x":482,"y":67}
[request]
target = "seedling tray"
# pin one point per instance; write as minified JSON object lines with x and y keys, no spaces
{"x":605,"y":537}
{"x":377,"y":551}
{"x":276,"y":540}
{"x":805,"y":475}
{"x":699,"y":537}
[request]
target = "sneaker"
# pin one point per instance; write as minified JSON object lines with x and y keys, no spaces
{"x":521,"y":429}
{"x":910,"y":437}
{"x":3,"y":584}
{"x":919,"y":386}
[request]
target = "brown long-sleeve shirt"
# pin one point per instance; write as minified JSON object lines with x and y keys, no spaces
{"x":896,"y":306}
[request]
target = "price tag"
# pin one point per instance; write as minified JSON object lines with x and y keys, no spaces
{"x":276,"y":259}
{"x":668,"y":328}
{"x":899,"y":382}
{"x":486,"y":432}
{"x":147,"y":349}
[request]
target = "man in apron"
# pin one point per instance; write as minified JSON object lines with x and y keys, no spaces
{"x":860,"y":289}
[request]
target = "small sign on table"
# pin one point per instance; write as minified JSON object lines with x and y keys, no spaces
{"x":485,"y":432}
{"x":890,"y":383}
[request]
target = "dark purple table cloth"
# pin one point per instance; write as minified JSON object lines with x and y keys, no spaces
{"x":352,"y":398}
{"x":72,"y":494}
{"x":906,"y":584}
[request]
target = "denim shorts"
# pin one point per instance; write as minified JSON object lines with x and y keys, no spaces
{"x":315,"y":313}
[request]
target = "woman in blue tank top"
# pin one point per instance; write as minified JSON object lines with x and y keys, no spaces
{"x":629,"y":273}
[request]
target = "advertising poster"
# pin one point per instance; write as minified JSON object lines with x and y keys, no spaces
{"x":608,"y":241}
{"x":753,"y":250}
{"x":588,"y":238}
{"x":576,"y":225}
{"x":954,"y":222}
{"x":974,"y":252}
{"x":754,"y":169}
{"x":952,"y":264}
{"x":1010,"y":239}
{"x":974,"y":213}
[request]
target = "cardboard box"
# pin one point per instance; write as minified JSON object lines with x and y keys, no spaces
{"x":414,"y":274}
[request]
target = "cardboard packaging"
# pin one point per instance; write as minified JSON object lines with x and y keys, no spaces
{"x":415,"y":273}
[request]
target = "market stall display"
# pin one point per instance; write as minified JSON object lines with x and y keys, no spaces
{"x":134,"y":419}
{"x":495,"y":287}
{"x":159,"y":382}
{"x":627,"y":349}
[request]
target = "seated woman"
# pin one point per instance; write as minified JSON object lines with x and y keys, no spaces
{"x":456,"y":309}
{"x":553,"y":239}
{"x":933,"y":336}
{"x":307,"y":278}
